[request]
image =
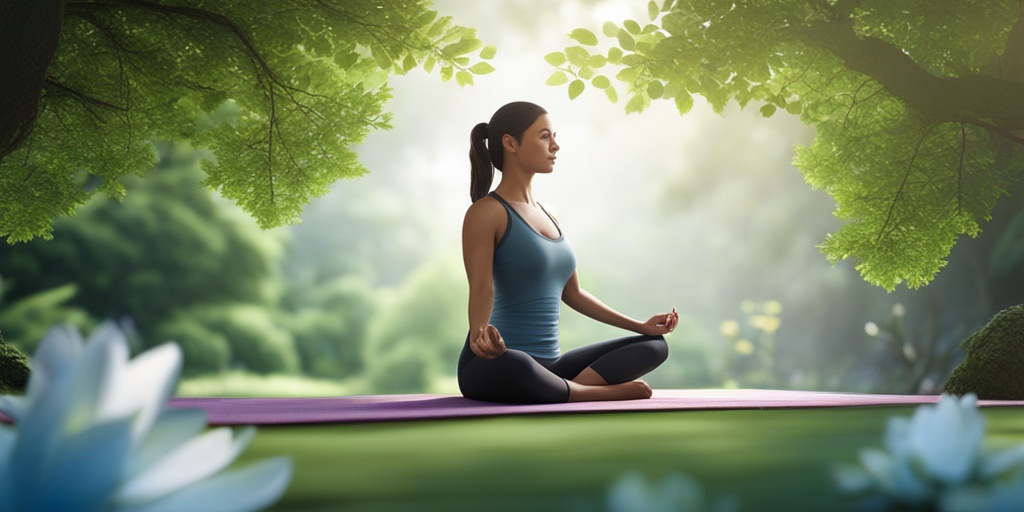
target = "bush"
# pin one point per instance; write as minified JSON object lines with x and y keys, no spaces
{"x":14,"y":368}
{"x":257,"y":343}
{"x":203,"y":350}
{"x":318,"y":336}
{"x":993,"y":367}
{"x":407,"y":368}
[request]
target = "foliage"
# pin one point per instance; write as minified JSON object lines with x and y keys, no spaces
{"x":169,"y":245}
{"x":915,"y":105}
{"x":750,"y":347}
{"x":14,"y":368}
{"x":424,"y":325}
{"x":278,"y":91}
{"x":256,"y":341}
{"x":202,"y":349}
{"x":23,"y":322}
{"x":992,"y":367}
{"x":329,"y":322}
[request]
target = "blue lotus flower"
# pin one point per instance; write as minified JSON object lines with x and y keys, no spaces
{"x":676,"y":492}
{"x":936,"y":459}
{"x":93,"y":434}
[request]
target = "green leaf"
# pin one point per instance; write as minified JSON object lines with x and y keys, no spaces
{"x":556,"y":58}
{"x":652,"y":10}
{"x":576,"y":88}
{"x":636,"y":104}
{"x":584,"y":36}
{"x":610,"y":29}
{"x":684,"y":102}
{"x":481,"y":68}
{"x":655,"y":90}
{"x":626,"y":41}
{"x":667,"y":5}
{"x":446,"y":73}
{"x":578,"y":56}
{"x":408,"y":63}
{"x":488,"y":52}
{"x":597,"y":61}
{"x":557,"y":78}
{"x":464,"y":78}
{"x":428,"y":65}
{"x":461,"y":47}
{"x":585,"y":72}
{"x":615,"y":55}
{"x":381,"y":56}
{"x":612,"y":95}
{"x":794,"y":108}
{"x":601,"y":82}
{"x":632,"y":26}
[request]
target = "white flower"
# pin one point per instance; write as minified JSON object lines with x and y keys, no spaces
{"x":674,"y":493}
{"x":936,"y":458}
{"x":93,"y":434}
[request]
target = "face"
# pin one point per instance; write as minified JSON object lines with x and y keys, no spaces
{"x":536,"y":152}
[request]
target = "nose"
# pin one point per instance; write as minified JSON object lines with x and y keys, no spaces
{"x":554,"y":145}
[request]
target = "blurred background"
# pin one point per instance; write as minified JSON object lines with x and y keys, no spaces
{"x":704,"y":213}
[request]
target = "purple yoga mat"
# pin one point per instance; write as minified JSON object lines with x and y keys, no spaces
{"x":378,"y":408}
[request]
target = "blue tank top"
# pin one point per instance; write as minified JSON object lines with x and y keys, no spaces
{"x":530,"y":271}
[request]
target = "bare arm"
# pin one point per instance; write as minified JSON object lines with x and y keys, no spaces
{"x":484,"y":220}
{"x":584,"y":302}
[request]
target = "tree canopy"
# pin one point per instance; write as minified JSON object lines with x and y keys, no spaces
{"x":278,"y":91}
{"x":918,"y":105}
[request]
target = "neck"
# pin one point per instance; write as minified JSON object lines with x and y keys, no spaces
{"x":516,"y":187}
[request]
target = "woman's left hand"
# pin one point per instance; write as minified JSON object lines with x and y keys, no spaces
{"x":663,"y":323}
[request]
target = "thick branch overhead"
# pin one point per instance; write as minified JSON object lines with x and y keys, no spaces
{"x":974,"y":99}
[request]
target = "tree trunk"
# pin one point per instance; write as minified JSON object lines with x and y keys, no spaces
{"x":29,"y":32}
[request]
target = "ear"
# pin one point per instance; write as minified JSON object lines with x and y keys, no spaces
{"x":509,"y":143}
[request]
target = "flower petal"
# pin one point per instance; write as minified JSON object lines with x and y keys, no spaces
{"x":997,"y":464}
{"x":946,"y":438}
{"x":240,"y":490}
{"x":191,"y":462}
{"x":142,"y":387}
{"x":172,"y":428}
{"x":85,"y":471}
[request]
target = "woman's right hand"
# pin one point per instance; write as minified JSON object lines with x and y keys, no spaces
{"x":487,"y":343}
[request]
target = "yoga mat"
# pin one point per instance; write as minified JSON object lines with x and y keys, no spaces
{"x":379,"y":408}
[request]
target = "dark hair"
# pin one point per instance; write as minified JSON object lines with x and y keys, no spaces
{"x":485,"y":150}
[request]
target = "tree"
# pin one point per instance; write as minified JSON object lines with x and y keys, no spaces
{"x":918,"y":105}
{"x":278,"y":90}
{"x":168,"y":246}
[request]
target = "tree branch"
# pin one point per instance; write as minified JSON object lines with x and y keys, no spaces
{"x":970,"y":98}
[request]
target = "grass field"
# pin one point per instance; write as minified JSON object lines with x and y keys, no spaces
{"x":771,"y":460}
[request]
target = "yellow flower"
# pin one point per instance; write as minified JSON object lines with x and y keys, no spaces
{"x":744,"y":347}
{"x":729,"y":328}
{"x":765,"y":323}
{"x":772,"y":307}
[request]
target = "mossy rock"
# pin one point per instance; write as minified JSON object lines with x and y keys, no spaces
{"x":13,"y":369}
{"x":993,"y":367}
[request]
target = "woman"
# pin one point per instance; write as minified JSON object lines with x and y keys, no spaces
{"x":520,"y":265}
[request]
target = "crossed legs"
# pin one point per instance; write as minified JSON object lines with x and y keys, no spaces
{"x":603,"y":371}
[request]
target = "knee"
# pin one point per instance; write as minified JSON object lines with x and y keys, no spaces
{"x":659,"y":348}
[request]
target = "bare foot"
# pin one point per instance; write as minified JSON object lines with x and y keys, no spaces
{"x":633,"y":390}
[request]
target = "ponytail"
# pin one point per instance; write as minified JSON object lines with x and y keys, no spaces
{"x":480,"y":160}
{"x":486,"y":152}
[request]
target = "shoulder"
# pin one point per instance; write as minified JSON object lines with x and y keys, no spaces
{"x":550,"y":210}
{"x":486,"y":213}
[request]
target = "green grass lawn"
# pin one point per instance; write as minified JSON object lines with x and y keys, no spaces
{"x":768,"y":459}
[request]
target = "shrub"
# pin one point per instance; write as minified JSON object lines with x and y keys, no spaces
{"x":257,"y":343}
{"x":14,"y":368}
{"x":203,"y":350}
{"x":993,"y":367}
{"x":409,"y":367}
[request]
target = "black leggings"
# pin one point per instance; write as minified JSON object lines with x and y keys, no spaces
{"x":518,"y":378}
